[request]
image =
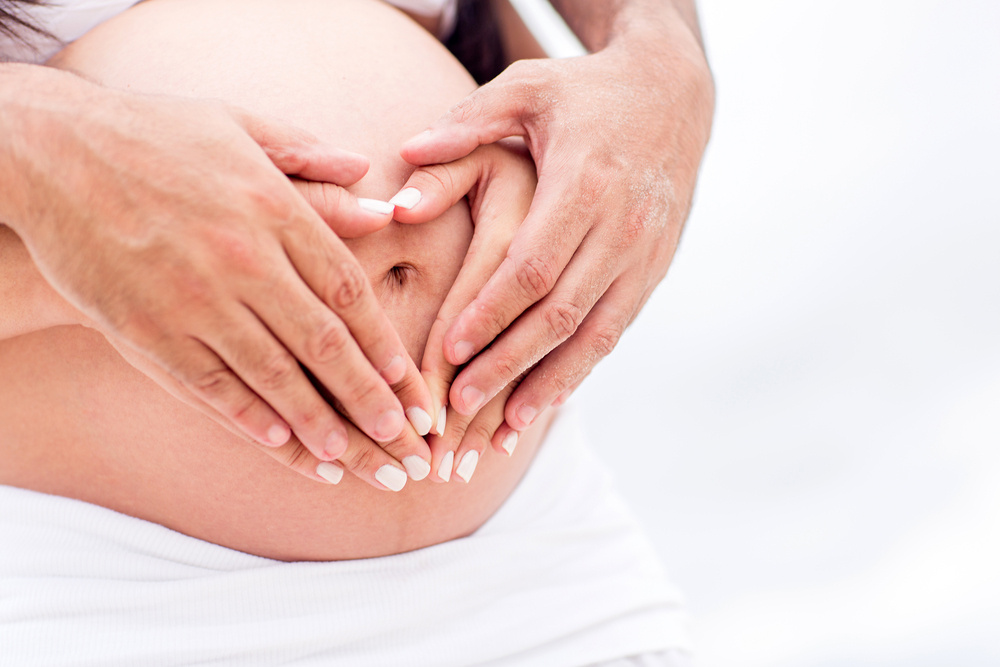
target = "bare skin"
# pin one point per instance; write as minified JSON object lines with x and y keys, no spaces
{"x":617,"y":137}
{"x":80,"y":421}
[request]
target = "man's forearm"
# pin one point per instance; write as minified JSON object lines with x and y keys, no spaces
{"x":599,"y":22}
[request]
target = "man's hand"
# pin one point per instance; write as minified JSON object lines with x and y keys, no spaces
{"x":172,"y":225}
{"x":617,"y":138}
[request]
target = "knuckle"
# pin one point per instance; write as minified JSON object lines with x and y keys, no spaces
{"x":297,"y":458}
{"x":505,"y":367}
{"x":438,"y":176}
{"x":276,"y":371}
{"x":604,"y":339}
{"x":535,"y":275}
{"x":563,"y":318}
{"x":213,"y":382}
{"x":347,"y":288}
{"x":328,"y":343}
{"x":361,"y":458}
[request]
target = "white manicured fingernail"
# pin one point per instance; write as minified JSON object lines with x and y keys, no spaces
{"x":442,"y":419}
{"x":416,"y":467}
{"x":391,"y":477}
{"x":394,"y":370}
{"x":376,"y":206}
{"x":420,"y":419}
{"x":444,"y":470}
{"x":510,"y":442}
{"x":468,"y":465}
{"x":330,"y":472}
{"x":407,"y":198}
{"x":463,"y":351}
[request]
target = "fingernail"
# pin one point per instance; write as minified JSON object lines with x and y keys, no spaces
{"x":444,"y":470}
{"x":391,"y":477}
{"x":389,"y":425}
{"x":420,"y":419}
{"x":416,"y":467}
{"x":278,"y":435}
{"x":330,"y":472}
{"x":442,"y":419}
{"x":376,"y":206}
{"x":527,"y":414}
{"x":406,"y":198}
{"x":463,"y":351}
{"x":394,"y":371}
{"x":468,"y":465}
{"x":473,"y":398}
{"x":510,"y":442}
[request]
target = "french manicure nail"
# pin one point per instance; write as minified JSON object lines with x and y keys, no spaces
{"x":473,"y":398}
{"x":391,"y":477}
{"x":406,"y":198}
{"x":468,"y":465}
{"x":330,"y":472}
{"x":527,"y":414}
{"x":278,"y":435}
{"x":463,"y":351}
{"x":389,"y":425}
{"x":394,"y":371}
{"x":420,"y":419}
{"x":444,"y":470}
{"x":510,"y":442}
{"x":376,"y":206}
{"x":442,"y":419}
{"x":416,"y":467}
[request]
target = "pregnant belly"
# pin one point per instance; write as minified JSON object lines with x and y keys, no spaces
{"x":77,"y":421}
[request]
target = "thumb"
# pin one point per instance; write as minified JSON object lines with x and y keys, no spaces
{"x":502,"y":108}
{"x":297,"y":152}
{"x":348,"y":216}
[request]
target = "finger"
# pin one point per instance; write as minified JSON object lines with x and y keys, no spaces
{"x":539,"y":330}
{"x":333,"y":274}
{"x":199,"y":373}
{"x":291,"y":454}
{"x":297,"y":152}
{"x":432,"y":190}
{"x":478,"y":434}
{"x":348,"y":216}
{"x":503,"y":108}
{"x":559,"y":373}
{"x":545,"y":243}
{"x":371,"y":463}
{"x":274,"y":374}
{"x":294,"y":455}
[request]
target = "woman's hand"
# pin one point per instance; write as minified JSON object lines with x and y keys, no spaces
{"x":171,"y":224}
{"x":617,"y":137}
{"x":499,"y":180}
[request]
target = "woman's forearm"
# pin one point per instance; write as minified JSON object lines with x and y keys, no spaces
{"x":29,"y":302}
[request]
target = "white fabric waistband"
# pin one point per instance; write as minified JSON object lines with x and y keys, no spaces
{"x":561,"y":575}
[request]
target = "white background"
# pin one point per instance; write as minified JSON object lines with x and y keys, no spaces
{"x":807,"y":413}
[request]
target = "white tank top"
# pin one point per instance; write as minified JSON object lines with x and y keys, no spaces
{"x":67,"y":20}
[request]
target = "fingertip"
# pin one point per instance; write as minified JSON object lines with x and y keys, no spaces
{"x":277,"y":435}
